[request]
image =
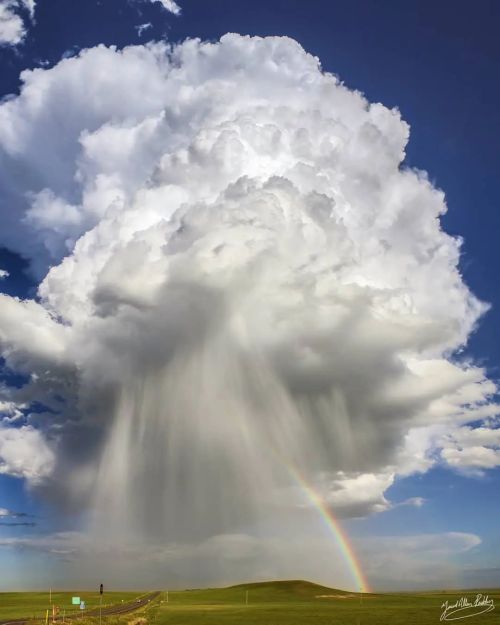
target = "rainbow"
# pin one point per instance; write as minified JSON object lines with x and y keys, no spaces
{"x":335,"y":529}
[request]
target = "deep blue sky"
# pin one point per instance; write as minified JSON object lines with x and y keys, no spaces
{"x":438,"y":62}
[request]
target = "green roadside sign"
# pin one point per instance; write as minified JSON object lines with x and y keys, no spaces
{"x":75,"y":600}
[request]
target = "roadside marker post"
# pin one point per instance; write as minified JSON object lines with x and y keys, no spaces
{"x":101,"y":590}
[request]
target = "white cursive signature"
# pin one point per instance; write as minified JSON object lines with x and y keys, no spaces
{"x":463,"y":608}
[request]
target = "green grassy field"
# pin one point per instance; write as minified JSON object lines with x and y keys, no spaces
{"x":271,"y":603}
{"x":21,"y":604}
{"x":302,"y":603}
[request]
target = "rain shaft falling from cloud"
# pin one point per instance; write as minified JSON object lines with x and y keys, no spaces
{"x":238,"y":275}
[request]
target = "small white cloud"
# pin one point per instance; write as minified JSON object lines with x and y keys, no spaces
{"x":360,"y":494}
{"x":12,"y":24}
{"x":32,"y":329}
{"x":416,"y":502}
{"x":70,"y":52}
{"x":3,"y":274}
{"x":10,"y":412}
{"x":25,"y":453}
{"x":141,"y":28}
{"x":170,"y":5}
{"x":352,"y":495}
{"x":30,"y":6}
{"x":12,"y":30}
{"x":472,"y":450}
{"x":5,"y":513}
{"x":472,"y":458}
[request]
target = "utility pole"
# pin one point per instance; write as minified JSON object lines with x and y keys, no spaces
{"x":246,"y":598}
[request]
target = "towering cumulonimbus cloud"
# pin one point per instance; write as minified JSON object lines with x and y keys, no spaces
{"x":239,"y":280}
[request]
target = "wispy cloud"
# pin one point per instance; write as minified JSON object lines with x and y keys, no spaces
{"x":141,"y":28}
{"x":11,"y":514}
{"x":416,"y":561}
{"x":5,"y":513}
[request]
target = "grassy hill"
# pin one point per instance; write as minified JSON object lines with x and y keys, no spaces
{"x":299,"y":602}
{"x":296,"y":589}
